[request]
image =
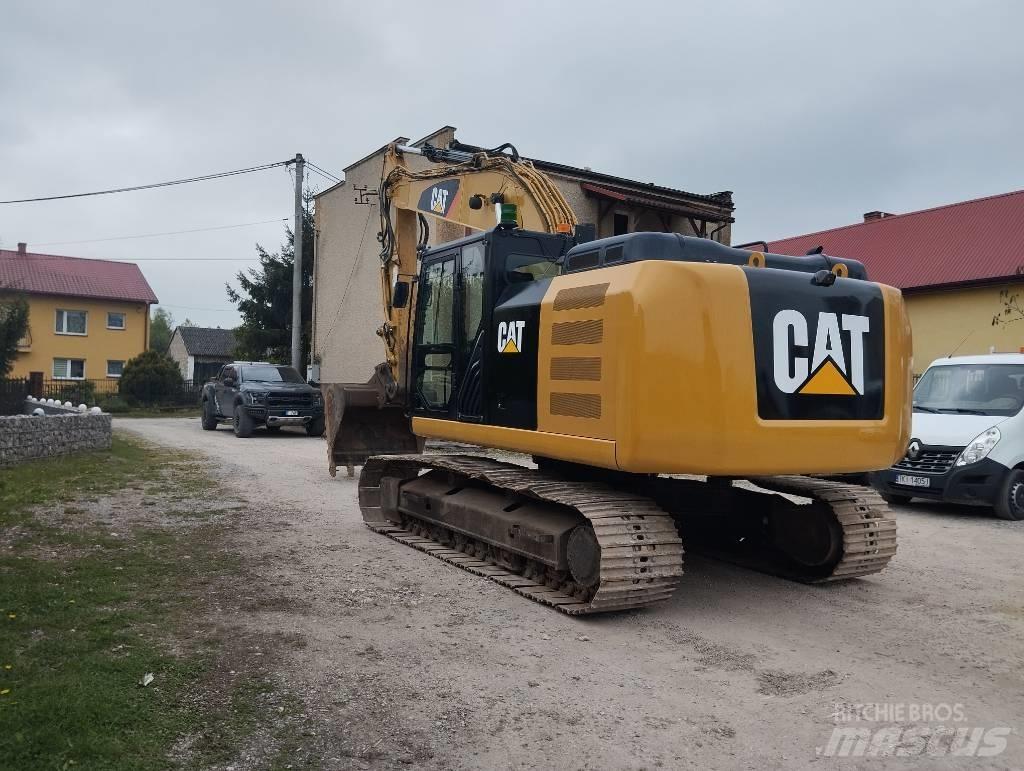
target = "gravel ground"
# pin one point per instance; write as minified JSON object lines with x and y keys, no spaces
{"x":406,"y":661}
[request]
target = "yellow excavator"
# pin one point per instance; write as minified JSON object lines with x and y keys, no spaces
{"x":668,"y":388}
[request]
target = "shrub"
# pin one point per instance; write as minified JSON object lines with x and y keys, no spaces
{"x":77,"y":392}
{"x":113,"y":404}
{"x":150,"y":378}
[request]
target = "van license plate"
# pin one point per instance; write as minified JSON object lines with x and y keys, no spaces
{"x":912,"y":481}
{"x":294,"y":413}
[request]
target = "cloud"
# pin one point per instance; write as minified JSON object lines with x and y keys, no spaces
{"x":812,"y":113}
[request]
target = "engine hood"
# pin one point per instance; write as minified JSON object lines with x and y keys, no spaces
{"x":289,"y":388}
{"x":949,"y":429}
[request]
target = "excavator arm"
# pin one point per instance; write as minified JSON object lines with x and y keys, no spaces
{"x":468,"y":188}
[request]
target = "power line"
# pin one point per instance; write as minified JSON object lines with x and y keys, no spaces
{"x":183,"y":259}
{"x":168,"y":233}
{"x":322,"y":173}
{"x":12,"y":255}
{"x":203,"y":178}
{"x":193,"y":308}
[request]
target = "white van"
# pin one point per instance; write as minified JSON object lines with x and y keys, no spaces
{"x":967,"y":439}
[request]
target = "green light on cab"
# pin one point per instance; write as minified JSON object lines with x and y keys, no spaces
{"x":507,"y":214}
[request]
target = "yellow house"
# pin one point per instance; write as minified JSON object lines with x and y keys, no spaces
{"x":960,"y":266}
{"x":86,"y":317}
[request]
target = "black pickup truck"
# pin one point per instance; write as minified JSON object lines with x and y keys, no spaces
{"x":254,"y":393}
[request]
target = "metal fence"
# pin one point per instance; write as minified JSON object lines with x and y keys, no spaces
{"x":102,"y":392}
{"x":12,"y":395}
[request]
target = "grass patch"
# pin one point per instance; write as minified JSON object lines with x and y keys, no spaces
{"x":81,"y":624}
{"x":157,"y":412}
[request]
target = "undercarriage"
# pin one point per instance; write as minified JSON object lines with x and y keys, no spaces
{"x":589,"y":541}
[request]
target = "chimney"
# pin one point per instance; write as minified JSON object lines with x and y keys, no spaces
{"x":871,"y":216}
{"x":22,"y":246}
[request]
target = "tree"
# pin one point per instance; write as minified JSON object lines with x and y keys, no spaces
{"x":13,"y":328}
{"x":264,"y":299}
{"x":161,"y":328}
{"x":1010,"y":310}
{"x":151,"y":377}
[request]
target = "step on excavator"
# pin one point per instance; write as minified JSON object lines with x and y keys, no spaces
{"x":669,"y":389}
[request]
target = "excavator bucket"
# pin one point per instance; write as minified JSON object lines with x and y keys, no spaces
{"x":361,"y":423}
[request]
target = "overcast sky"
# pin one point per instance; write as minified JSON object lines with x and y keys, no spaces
{"x":811,"y":112}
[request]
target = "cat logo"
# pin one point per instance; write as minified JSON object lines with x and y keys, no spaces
{"x":510,"y":336}
{"x":819,"y":353}
{"x":438,"y":200}
{"x":826,"y":369}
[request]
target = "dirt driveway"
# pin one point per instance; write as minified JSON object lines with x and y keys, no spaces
{"x":407,"y":661}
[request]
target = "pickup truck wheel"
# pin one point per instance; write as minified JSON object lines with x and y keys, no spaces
{"x":1010,"y":502}
{"x":243,"y":423}
{"x":209,"y":419}
{"x":316,"y":426}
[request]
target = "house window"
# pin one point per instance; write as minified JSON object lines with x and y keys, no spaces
{"x":68,"y":369}
{"x":115,"y":321}
{"x":620,"y":224}
{"x":114,"y":368}
{"x":71,"y":322}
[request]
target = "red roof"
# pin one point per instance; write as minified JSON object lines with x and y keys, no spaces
{"x":974,"y":241}
{"x":74,"y":277}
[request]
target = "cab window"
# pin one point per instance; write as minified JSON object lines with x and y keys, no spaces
{"x":435,"y":335}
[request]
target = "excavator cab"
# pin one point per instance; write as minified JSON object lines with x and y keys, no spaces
{"x":453,"y":373}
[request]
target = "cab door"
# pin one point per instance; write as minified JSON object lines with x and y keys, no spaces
{"x":434,"y":347}
{"x":449,"y":339}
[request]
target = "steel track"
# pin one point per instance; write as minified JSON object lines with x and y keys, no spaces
{"x":869,"y":529}
{"x":641,"y":552}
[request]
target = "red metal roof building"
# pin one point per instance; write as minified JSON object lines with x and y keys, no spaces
{"x":974,"y":241}
{"x":87,"y":318}
{"x":73,"y":277}
{"x":951,"y":262}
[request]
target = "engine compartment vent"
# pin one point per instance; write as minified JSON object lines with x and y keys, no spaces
{"x":590,"y":296}
{"x":577,"y":332}
{"x":576,"y":368}
{"x":576,"y":405}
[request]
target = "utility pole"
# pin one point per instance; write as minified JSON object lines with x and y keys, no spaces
{"x":300,"y":166}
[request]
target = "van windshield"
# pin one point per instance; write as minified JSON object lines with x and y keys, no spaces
{"x":971,"y":389}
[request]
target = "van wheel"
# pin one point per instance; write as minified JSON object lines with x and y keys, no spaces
{"x":1010,"y":503}
{"x":896,"y":500}
{"x":243,"y":423}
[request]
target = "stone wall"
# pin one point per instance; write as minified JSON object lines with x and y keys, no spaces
{"x":24,"y":437}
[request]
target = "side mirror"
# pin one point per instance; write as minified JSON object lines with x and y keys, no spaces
{"x":400,"y":296}
{"x":229,"y":382}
